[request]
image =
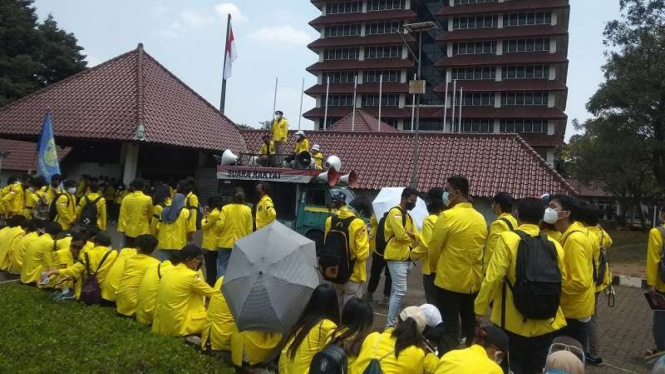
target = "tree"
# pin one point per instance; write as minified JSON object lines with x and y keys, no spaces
{"x":265,"y":125}
{"x":33,"y":55}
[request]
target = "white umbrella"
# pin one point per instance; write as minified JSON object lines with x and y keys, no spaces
{"x":390,"y":197}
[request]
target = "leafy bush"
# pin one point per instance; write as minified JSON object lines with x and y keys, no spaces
{"x":38,"y":335}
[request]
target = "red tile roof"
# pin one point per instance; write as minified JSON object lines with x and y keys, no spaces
{"x":372,"y":88}
{"x":589,"y":189}
{"x":505,"y":33}
{"x":354,"y":41}
{"x":506,"y":85}
{"x":23,"y":155}
{"x":506,"y":59}
{"x":386,"y":63}
{"x":364,"y":122}
{"x":108,"y":101}
{"x":492,"y":162}
{"x":515,"y":5}
{"x":386,"y":15}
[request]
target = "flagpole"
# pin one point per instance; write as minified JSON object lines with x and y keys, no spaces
{"x":445,"y":107}
{"x":353,"y":115}
{"x":274,"y":100}
{"x":325,"y":113}
{"x":222,"y":99}
{"x":452,"y":123}
{"x":380,"y":98}
{"x":413,"y":108}
{"x":302,"y":95}
{"x":461,"y":104}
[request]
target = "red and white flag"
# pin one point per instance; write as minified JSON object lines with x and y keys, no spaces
{"x":231,"y":53}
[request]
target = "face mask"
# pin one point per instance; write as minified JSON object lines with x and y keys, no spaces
{"x":71,"y":190}
{"x":446,"y":198}
{"x":17,"y":182}
{"x":550,"y":216}
{"x":31,"y":189}
{"x":410,"y":206}
{"x":278,"y":117}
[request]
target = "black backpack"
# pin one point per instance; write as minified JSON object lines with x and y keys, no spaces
{"x":52,"y":209}
{"x":89,"y":213}
{"x":661,"y":263}
{"x":381,"y":242}
{"x":91,"y":291}
{"x":42,"y":209}
{"x":599,"y":274}
{"x":537,"y":288}
{"x":331,"y":360}
{"x":335,"y":263}
{"x":510,"y":224}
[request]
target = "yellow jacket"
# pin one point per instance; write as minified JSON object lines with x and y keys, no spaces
{"x":120,"y":195}
{"x":425,"y":237}
{"x":210,"y":234}
{"x":31,"y":200}
{"x":9,"y":240}
{"x":301,"y":146}
{"x":265,"y":212}
{"x":358,"y":244}
{"x":18,"y":254}
{"x":135,"y":214}
{"x":552,"y":234}
{"x":179,"y":308}
{"x":109,"y":193}
{"x":101,"y":208}
{"x":115,"y":273}
{"x":318,"y":160}
{"x":156,"y":217}
{"x":654,"y":253}
{"x":51,"y":193}
{"x":456,"y":249}
{"x":219,"y":325}
{"x":317,"y":338}
{"x":578,"y":296}
{"x":62,"y":260}
{"x":600,"y":235}
{"x":268,"y":149}
{"x":235,"y":222}
{"x":399,"y":244}
{"x":66,"y":208}
{"x":38,"y":258}
{"x":253,"y":347}
{"x":128,"y":290}
{"x":472,"y":360}
{"x":12,"y":199}
{"x":373,"y":229}
{"x":147,"y":295}
{"x":192,"y":204}
{"x":497,"y":227}
{"x":101,"y":270}
{"x":173,"y":236}
{"x":382,"y":347}
{"x":280,"y":130}
{"x":503,"y":265}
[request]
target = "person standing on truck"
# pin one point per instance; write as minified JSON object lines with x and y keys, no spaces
{"x":279,"y":130}
{"x":267,"y":152}
{"x":318,"y":157}
{"x":302,"y":145}
{"x":265,"y":210}
{"x":235,"y":222}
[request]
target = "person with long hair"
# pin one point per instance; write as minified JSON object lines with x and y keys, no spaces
{"x":160,"y":200}
{"x":434,"y":208}
{"x":357,"y":322}
{"x":312,"y":332}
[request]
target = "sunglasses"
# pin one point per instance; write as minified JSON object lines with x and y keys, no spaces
{"x":556,"y":347}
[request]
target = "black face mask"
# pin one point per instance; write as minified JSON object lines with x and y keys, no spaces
{"x":410,"y":206}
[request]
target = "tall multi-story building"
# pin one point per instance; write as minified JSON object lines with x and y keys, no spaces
{"x":509,"y":57}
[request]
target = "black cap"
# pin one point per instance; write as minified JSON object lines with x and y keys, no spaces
{"x":497,"y":337}
{"x":503,"y":198}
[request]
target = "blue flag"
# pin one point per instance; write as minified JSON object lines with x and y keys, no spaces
{"x":46,"y":151}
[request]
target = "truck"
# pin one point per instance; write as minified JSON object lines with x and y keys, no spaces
{"x":302,"y":197}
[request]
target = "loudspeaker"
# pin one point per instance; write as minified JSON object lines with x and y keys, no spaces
{"x":333,"y":162}
{"x":303,"y":160}
{"x":350,"y":179}
{"x":229,"y":158}
{"x":331,"y":177}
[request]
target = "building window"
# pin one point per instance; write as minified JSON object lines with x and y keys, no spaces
{"x":476,"y":22}
{"x":480,"y":73}
{"x":474,"y":48}
{"x":524,"y":98}
{"x":344,"y":7}
{"x":386,"y":4}
{"x":527,"y":19}
{"x":478,"y":99}
{"x":339,"y":76}
{"x":526,"y":72}
{"x":383,"y":52}
{"x":527,"y":45}
{"x":342,"y":30}
{"x":477,"y":125}
{"x":340,"y":100}
{"x":464,"y":2}
{"x":382,"y":27}
{"x":386,"y":100}
{"x":341,"y":54}
{"x":538,"y":126}
{"x":374,"y":76}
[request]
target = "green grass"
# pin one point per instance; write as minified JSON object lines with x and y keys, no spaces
{"x":630,"y":247}
{"x":38,"y":335}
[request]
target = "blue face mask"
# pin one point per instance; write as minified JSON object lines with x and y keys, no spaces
{"x":446,"y":198}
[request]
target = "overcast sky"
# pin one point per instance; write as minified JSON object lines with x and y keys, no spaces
{"x":187,"y":37}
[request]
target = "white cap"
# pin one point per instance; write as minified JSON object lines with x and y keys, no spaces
{"x":316,"y":147}
{"x":300,"y":133}
{"x":432,"y":315}
{"x":417,"y":315}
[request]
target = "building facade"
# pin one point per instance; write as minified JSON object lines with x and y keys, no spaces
{"x":507,"y":60}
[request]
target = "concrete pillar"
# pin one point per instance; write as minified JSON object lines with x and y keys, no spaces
{"x":361,"y":53}
{"x":497,"y":99}
{"x":551,"y":100}
{"x":497,"y":126}
{"x":500,"y":21}
{"x":319,"y":78}
{"x":403,"y":76}
{"x":551,"y":126}
{"x":450,"y":21}
{"x":499,"y":74}
{"x":131,"y":162}
{"x":321,"y":55}
{"x":552,"y":45}
{"x":364,"y":8}
{"x":362,"y":29}
{"x":449,"y":49}
{"x":499,"y":48}
{"x":552,"y":72}
{"x":555,"y":18}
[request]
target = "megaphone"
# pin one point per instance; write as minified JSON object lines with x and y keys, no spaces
{"x":350,"y":179}
{"x":254,"y":161}
{"x":229,"y":158}
{"x":333,"y":162}
{"x":303,"y":160}
{"x":331,"y":177}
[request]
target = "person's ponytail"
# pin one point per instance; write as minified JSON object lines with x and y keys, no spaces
{"x":407,"y":335}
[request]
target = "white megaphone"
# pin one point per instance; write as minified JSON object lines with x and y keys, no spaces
{"x":331,"y":177}
{"x":229,"y":158}
{"x":333,"y":162}
{"x":350,"y":179}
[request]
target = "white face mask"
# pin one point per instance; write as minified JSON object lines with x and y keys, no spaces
{"x":550,"y":216}
{"x":72,"y":190}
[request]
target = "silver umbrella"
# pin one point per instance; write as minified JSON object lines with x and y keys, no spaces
{"x":270,"y":278}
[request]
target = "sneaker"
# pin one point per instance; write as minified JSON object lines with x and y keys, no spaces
{"x":595,"y":361}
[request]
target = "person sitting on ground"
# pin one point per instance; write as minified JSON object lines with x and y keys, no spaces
{"x":115,"y":272}
{"x":9,"y":238}
{"x":318,"y":157}
{"x":219,"y":325}
{"x":173,"y":226}
{"x":357,"y":323}
{"x":147,"y":293}
{"x":180,"y":308}
{"x":135,"y":269}
{"x":563,"y":362}
{"x":434,"y":330}
{"x":312,"y":332}
{"x":267,"y":152}
{"x":490,"y":346}
{"x":17,"y":255}
{"x":39,"y":254}
{"x":398,"y":349}
{"x":67,"y":257}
